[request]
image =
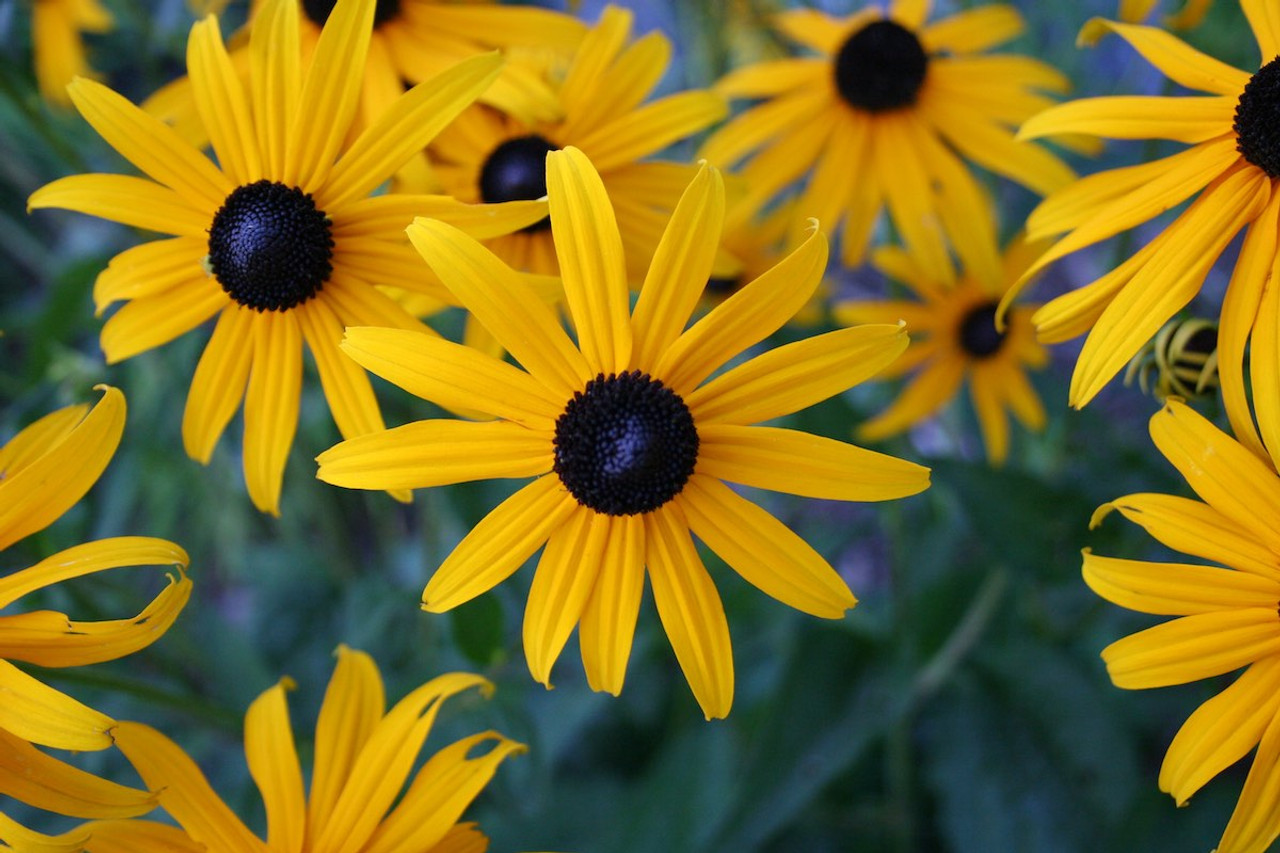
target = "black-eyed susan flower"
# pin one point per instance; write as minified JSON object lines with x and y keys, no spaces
{"x":884,"y":116}
{"x":1228,"y":172}
{"x":281,"y":243}
{"x":1227,"y":613}
{"x":56,"y":26}
{"x":954,"y":339}
{"x":629,"y":442}
{"x":44,"y":470}
{"x":364,"y":755}
{"x":1187,"y":18}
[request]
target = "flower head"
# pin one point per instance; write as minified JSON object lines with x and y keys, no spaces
{"x":628,"y":440}
{"x":281,"y":243}
{"x":1227,"y":615}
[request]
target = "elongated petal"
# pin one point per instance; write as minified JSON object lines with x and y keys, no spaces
{"x":18,"y":837}
{"x":589,"y":249}
{"x":691,"y":612}
{"x":565,"y":577}
{"x":353,"y":704}
{"x":1181,"y":119}
{"x":973,"y":29}
{"x":88,"y":558}
{"x":271,"y":406}
{"x":909,"y":194}
{"x":1193,"y":647}
{"x":151,"y":145}
{"x":406,"y":128}
{"x":453,"y":376}
{"x":797,"y":375}
{"x":819,"y":30}
{"x":1178,"y":61}
{"x":927,"y":392}
{"x":384,"y":215}
{"x":1221,"y":731}
{"x":1175,"y":589}
{"x":127,"y":200}
{"x":273,"y":764}
{"x":773,"y":77}
{"x":346,"y":386}
{"x":276,"y":80}
{"x":499,"y":544}
{"x":597,"y":52}
{"x":608,"y":624}
{"x":223,"y":103}
{"x":148,"y":269}
{"x":763,"y":550}
{"x":35,"y":439}
{"x":132,"y":836}
{"x":1255,"y":822}
{"x":490,"y":290}
{"x":154,"y":321}
{"x":35,"y":496}
{"x":749,"y":316}
{"x":797,"y":463}
{"x":40,"y":780}
{"x":680,"y":266}
{"x":219,"y":382}
{"x":651,"y":128}
{"x":36,"y":712}
{"x":1264,"y":18}
{"x":184,"y":791}
{"x":762,"y":124}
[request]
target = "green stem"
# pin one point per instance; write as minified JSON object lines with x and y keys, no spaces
{"x":934,"y":675}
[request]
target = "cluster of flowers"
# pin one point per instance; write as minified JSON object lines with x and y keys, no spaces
{"x":340,"y":210}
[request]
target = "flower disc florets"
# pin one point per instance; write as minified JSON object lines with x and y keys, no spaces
{"x":517,"y":171}
{"x":319,"y":11}
{"x":881,"y":67}
{"x":978,"y":334}
{"x":270,"y":247}
{"x":1257,"y":123}
{"x":626,"y":444}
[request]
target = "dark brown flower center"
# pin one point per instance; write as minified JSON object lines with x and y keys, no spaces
{"x":1257,"y":123}
{"x":320,"y":10}
{"x":626,"y":444}
{"x":978,"y":334}
{"x":517,"y":171}
{"x":881,"y":67}
{"x":270,"y":247}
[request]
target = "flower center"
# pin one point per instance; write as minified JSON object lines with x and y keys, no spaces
{"x":517,"y":171}
{"x":625,"y":445}
{"x":319,"y":11}
{"x":978,"y":334}
{"x":270,"y":247}
{"x":881,"y":67}
{"x":1257,"y":123}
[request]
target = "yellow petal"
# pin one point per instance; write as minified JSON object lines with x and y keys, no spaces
{"x":275,"y":76}
{"x":819,"y":30}
{"x":36,"y":712}
{"x":973,"y":30}
{"x":39,"y":780}
{"x":1255,"y":822}
{"x":1176,"y":59}
{"x":127,"y":200}
{"x":762,"y":124}
{"x":608,"y":624}
{"x":1175,"y":589}
{"x":223,"y":104}
{"x":797,"y":463}
{"x":927,"y":392}
{"x":565,"y":577}
{"x":629,"y":77}
{"x":271,"y":406}
{"x":1182,"y":119}
{"x":184,"y":791}
{"x":35,"y":496}
{"x":1264,"y":19}
{"x":993,"y":147}
{"x":691,"y":612}
{"x":154,"y":321}
{"x":24,"y":840}
{"x":273,"y":764}
{"x":763,"y":550}
{"x":387,"y":215}
{"x":346,"y":386}
{"x":598,"y":50}
{"x":35,"y":439}
{"x":898,"y":164}
{"x":651,"y":128}
{"x":1193,"y":647}
{"x":132,"y":836}
{"x":219,"y":382}
{"x":773,"y":77}
{"x":499,"y":544}
{"x":910,"y":13}
{"x":149,"y":269}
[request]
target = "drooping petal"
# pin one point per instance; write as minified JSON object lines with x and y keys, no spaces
{"x":219,"y":382}
{"x":18,"y":837}
{"x":40,"y":780}
{"x":271,"y":406}
{"x":35,"y":439}
{"x":89,"y":558}
{"x":1193,"y":647}
{"x":36,"y":712}
{"x":763,"y":550}
{"x":563,"y":582}
{"x":353,"y":704}
{"x":608,"y":623}
{"x":1255,"y":822}
{"x":273,"y":764}
{"x":1176,"y":59}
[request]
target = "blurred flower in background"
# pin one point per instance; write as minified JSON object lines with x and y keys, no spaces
{"x":56,"y":26}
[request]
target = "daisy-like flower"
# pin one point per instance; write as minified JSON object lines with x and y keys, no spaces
{"x":628,"y":441}
{"x":1188,"y":17}
{"x":44,"y":470}
{"x":364,"y":755}
{"x":281,"y":244}
{"x":1228,"y":172}
{"x":954,"y":339}
{"x":56,"y":26}
{"x":1228,"y":615}
{"x":882,"y":118}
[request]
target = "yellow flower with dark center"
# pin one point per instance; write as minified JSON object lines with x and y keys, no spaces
{"x":882,"y":117}
{"x":364,"y":755}
{"x":1228,"y":173}
{"x":44,"y":470}
{"x":282,"y":244}
{"x":1227,"y":615}
{"x":1188,"y":17}
{"x":55,"y":40}
{"x":628,"y":440}
{"x":954,"y":339}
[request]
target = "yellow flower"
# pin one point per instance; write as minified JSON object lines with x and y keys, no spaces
{"x":1227,"y":616}
{"x":364,"y":755}
{"x":954,"y":339}
{"x":55,"y":39}
{"x":1228,"y":172}
{"x":281,"y":244}
{"x":627,"y":439}
{"x":44,"y":470}
{"x":882,"y":117}
{"x":1188,"y":18}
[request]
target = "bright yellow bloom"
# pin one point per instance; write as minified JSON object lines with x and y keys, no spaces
{"x":1228,"y":173}
{"x":55,"y":39}
{"x":1228,"y":616}
{"x":883,"y":116}
{"x":44,"y":470}
{"x":1188,"y":18}
{"x":628,"y":440}
{"x":954,"y":339}
{"x":364,"y":755}
{"x":280,"y":243}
